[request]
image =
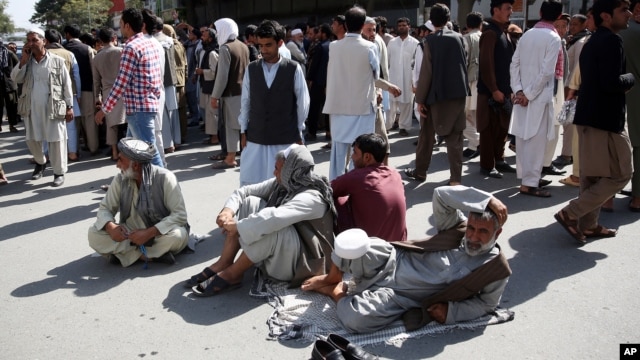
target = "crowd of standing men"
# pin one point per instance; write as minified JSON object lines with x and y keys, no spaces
{"x":474,"y":83}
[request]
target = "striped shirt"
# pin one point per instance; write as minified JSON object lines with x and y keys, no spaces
{"x":139,"y":78}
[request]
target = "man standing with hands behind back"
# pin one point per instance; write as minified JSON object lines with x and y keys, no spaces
{"x":496,"y":50}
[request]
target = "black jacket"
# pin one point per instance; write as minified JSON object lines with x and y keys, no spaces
{"x":601,"y":98}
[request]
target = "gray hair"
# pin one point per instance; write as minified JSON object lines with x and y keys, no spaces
{"x":487,"y":215}
{"x":369,"y":20}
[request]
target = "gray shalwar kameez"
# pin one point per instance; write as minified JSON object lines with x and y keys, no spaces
{"x":388,"y":281}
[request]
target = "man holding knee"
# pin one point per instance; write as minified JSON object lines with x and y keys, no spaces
{"x":284,"y":226}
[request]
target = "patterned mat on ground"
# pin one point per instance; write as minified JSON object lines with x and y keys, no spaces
{"x":307,"y":316}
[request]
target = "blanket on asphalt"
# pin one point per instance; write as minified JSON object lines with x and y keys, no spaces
{"x":307,"y":316}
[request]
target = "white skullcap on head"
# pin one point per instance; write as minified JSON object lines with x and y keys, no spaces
{"x":430,"y":26}
{"x":36,"y":30}
{"x":296,"y":32}
{"x":351,"y":244}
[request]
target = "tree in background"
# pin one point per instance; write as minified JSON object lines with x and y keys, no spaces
{"x":87,"y":14}
{"x":47,"y":12}
{"x":6,"y":24}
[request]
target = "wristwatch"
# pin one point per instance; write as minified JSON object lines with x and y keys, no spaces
{"x":69,"y":107}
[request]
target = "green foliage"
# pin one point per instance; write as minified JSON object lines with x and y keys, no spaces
{"x":6,"y":24}
{"x":137,"y":4}
{"x":85,"y":13}
{"x":47,"y":12}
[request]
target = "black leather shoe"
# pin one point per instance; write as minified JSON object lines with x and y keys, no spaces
{"x":114,"y":260}
{"x":504,"y":167}
{"x":38,"y":171}
{"x":324,"y":350}
{"x":468,"y":153}
{"x":350,"y":351}
{"x":413,"y":174}
{"x":493,"y":173}
{"x":543,"y":183}
{"x":552,"y":170}
{"x":167,"y":258}
{"x":562,"y":161}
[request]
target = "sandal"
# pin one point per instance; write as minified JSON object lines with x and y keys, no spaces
{"x":569,"y":181}
{"x":218,"y":157}
{"x":214,"y":286}
{"x":570,"y":225}
{"x":199,"y":277}
{"x":535,"y":191}
{"x":600,"y":232}
{"x":221,"y":165}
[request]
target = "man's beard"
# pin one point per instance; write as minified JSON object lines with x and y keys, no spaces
{"x":129,"y":173}
{"x":484,"y":248}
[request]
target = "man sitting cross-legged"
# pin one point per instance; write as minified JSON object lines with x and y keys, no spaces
{"x":153,"y":219}
{"x":457,"y":275}
{"x":283,"y":225}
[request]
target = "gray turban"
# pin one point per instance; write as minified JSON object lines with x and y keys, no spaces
{"x":137,"y":150}
{"x":297,"y":176}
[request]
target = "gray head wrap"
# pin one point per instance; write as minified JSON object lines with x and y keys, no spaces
{"x":137,"y":150}
{"x":297,"y":176}
{"x":142,"y":153}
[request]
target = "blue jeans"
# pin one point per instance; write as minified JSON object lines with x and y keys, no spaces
{"x":141,"y":126}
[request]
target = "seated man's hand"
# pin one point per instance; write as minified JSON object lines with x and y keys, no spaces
{"x":225,"y":215}
{"x":140,"y":237}
{"x":438,"y":312}
{"x":230,"y":227}
{"x":499,"y":209}
{"x":117,"y":232}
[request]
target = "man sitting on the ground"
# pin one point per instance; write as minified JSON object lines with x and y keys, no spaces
{"x":371,"y":196}
{"x":283,"y":225}
{"x":153,"y":219}
{"x":457,"y":275}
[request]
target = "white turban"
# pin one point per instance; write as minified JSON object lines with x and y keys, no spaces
{"x":227,"y":29}
{"x":296,"y":32}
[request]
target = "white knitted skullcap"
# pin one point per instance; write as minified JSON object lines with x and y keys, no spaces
{"x":352,"y":244}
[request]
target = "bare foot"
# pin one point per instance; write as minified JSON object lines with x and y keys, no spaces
{"x":335,"y":291}
{"x":316,"y":282}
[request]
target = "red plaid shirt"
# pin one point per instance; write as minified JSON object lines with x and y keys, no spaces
{"x":139,"y":78}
